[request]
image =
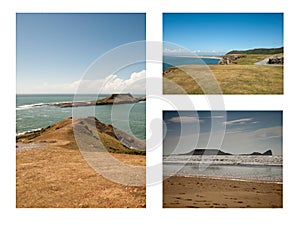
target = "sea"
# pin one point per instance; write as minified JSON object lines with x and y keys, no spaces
{"x":171,"y":61}
{"x":238,"y":167}
{"x":32,"y":113}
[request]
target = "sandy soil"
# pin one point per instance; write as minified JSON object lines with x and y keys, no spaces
{"x":192,"y":192}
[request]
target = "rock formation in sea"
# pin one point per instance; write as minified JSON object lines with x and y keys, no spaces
{"x":268,"y":152}
{"x":220,"y":152}
{"x":207,"y":152}
{"x":109,"y":100}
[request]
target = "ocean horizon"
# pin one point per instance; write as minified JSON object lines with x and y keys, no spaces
{"x":32,"y":113}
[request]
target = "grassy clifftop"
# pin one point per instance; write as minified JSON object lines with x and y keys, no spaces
{"x":258,"y":51}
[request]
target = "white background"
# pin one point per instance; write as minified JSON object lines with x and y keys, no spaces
{"x":154,"y":213}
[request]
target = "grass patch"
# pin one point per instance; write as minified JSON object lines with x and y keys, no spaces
{"x":232,"y":79}
{"x":60,"y":177}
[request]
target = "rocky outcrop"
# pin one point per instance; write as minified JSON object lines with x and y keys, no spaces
{"x":109,"y":100}
{"x":169,"y":70}
{"x":117,"y":99}
{"x":229,"y":59}
{"x":207,"y":152}
{"x":219,"y":152}
{"x":142,"y":99}
{"x":276,"y":60}
{"x":269,"y":152}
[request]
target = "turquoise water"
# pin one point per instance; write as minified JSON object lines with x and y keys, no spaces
{"x":170,"y":61}
{"x":31,"y":117}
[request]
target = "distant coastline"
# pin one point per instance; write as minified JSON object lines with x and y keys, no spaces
{"x":196,"y":56}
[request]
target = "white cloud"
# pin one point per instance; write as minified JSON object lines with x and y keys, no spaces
{"x":239,"y":121}
{"x":185,"y":119}
{"x":268,"y":133}
{"x":176,"y":50}
{"x":136,"y":84}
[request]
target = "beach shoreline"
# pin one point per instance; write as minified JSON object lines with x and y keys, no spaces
{"x":206,"y":192}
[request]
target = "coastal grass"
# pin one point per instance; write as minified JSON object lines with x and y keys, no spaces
{"x":232,"y":79}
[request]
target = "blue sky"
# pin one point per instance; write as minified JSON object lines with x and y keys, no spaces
{"x":54,"y":50}
{"x":213,"y":33}
{"x":245,"y":131}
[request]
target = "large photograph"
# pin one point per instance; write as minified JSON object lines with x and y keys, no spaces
{"x":80,"y":110}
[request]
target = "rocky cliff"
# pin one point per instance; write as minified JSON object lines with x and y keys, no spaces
{"x":229,"y":59}
{"x":90,"y":131}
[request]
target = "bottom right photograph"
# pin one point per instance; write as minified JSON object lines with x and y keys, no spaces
{"x":222,"y":159}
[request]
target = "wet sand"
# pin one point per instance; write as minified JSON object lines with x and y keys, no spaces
{"x":194,"y":192}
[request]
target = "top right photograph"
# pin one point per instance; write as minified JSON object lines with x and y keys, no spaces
{"x":223,"y":53}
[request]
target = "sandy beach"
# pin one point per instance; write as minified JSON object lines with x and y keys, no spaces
{"x":195,"y":192}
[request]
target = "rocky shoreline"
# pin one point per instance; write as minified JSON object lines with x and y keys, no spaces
{"x":229,"y":59}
